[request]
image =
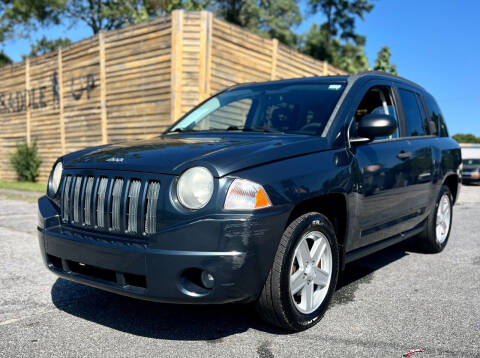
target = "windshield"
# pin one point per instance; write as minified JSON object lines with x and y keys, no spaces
{"x":272,"y":107}
{"x":471,"y":162}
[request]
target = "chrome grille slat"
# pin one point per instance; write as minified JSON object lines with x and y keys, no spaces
{"x":66,"y":197}
{"x":76,"y":199}
{"x":152,"y":202}
{"x":101,"y":196}
{"x":133,"y":196}
{"x":116,"y":201}
{"x":87,"y":216}
{"x":106,"y":203}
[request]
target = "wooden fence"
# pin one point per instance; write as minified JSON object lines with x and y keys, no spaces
{"x":133,"y":82}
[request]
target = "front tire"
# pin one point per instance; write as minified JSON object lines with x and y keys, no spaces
{"x":303,"y":276}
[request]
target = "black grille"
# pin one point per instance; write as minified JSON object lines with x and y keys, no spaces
{"x":110,"y":203}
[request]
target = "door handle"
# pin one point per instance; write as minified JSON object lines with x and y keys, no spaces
{"x":404,"y":155}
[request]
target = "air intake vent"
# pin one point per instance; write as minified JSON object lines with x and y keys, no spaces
{"x":132,"y":213}
{"x":88,"y":201}
{"x":116,"y":200}
{"x":66,"y":198}
{"x":76,"y":199}
{"x":102,"y":191}
{"x":151,"y":211}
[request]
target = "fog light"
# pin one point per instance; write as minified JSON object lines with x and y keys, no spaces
{"x":207,"y":280}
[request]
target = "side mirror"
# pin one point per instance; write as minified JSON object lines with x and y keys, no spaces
{"x":372,"y":126}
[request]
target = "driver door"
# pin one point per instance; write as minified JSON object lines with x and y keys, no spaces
{"x":382,"y":178}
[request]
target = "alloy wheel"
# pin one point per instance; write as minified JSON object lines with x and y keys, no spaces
{"x":311,"y":272}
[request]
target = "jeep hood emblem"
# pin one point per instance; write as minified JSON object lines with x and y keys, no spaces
{"x":115,"y":159}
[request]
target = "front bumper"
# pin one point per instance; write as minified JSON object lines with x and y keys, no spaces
{"x":237,"y":249}
{"x":470,"y":179}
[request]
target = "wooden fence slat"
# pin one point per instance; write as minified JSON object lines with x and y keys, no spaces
{"x":60,"y":102}
{"x":274,"y":59}
{"x":103,"y":88}
{"x":205,"y":54}
{"x":28,"y":109}
{"x":176,"y":64}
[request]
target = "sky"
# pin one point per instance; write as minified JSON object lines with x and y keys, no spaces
{"x":435,"y":43}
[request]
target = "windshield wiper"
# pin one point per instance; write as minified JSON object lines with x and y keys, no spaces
{"x":228,"y":129}
{"x":181,"y":130}
{"x":266,"y":130}
{"x":249,"y":129}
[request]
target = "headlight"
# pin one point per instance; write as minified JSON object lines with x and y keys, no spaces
{"x":195,"y":187}
{"x":246,"y":195}
{"x":55,"y":178}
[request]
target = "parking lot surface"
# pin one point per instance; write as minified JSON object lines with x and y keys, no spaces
{"x":386,"y":304}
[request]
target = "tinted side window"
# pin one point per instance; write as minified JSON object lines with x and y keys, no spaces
{"x":377,"y":100}
{"x":436,"y":116}
{"x":423,"y":115}
{"x":412,"y":115}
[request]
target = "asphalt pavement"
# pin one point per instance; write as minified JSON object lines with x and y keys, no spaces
{"x":386,"y":304}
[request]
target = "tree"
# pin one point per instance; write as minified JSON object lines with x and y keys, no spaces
{"x":19,"y":17}
{"x":349,"y":56}
{"x":269,"y":18}
{"x":4,"y":59}
{"x":335,"y":40}
{"x":466,"y":138}
{"x":340,"y":18}
{"x":43,"y":46}
{"x":382,"y":63}
{"x":113,"y":14}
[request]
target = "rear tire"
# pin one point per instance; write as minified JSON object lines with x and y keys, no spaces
{"x":439,"y":223}
{"x":303,"y":276}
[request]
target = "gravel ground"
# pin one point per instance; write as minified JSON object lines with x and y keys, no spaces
{"x":386,"y":304}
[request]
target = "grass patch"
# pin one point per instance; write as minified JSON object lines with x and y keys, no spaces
{"x":27,"y":198}
{"x":23,"y":186}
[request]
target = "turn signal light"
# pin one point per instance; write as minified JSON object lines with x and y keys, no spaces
{"x":246,"y":195}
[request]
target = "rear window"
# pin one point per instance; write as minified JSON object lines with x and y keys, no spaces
{"x":413,"y":118}
{"x":435,"y":116}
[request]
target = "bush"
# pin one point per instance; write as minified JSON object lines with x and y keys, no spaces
{"x":26,"y":162}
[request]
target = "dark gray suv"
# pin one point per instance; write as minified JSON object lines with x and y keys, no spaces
{"x":260,"y":194}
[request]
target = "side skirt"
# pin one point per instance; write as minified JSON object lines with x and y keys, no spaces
{"x":370,"y":249}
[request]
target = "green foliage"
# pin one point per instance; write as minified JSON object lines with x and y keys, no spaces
{"x":466,"y":138}
{"x":340,"y":17}
{"x":43,"y":46}
{"x":269,"y":18}
{"x":18,"y":17}
{"x":113,"y":14}
{"x":382,"y":63}
{"x":349,"y":56}
{"x":26,"y":162}
{"x":4,"y":60}
{"x":335,"y":40}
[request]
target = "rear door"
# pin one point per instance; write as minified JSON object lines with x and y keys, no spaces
{"x":419,"y":164}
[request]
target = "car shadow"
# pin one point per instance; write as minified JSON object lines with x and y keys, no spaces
{"x":361,"y":271}
{"x":194,"y":322}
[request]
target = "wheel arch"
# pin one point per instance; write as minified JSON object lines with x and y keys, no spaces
{"x":333,"y":206}
{"x":452,"y":182}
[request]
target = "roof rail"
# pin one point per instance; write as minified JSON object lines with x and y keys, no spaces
{"x":385,"y":74}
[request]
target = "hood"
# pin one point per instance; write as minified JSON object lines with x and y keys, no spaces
{"x":173,"y":153}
